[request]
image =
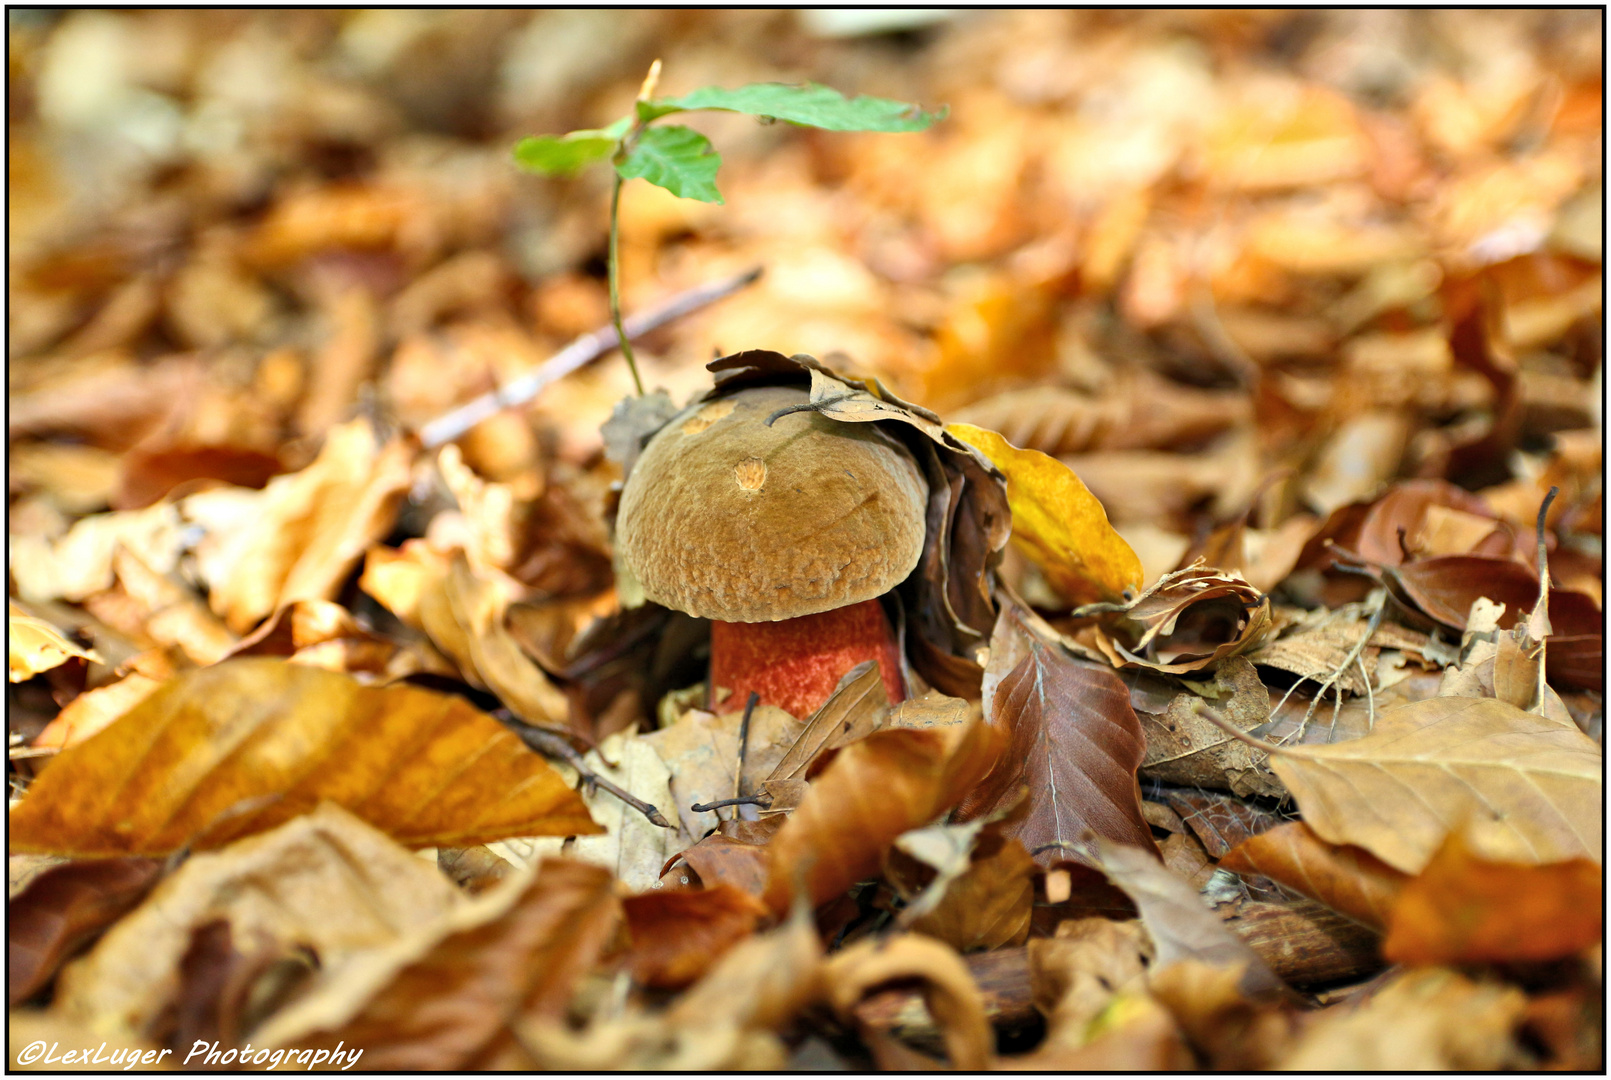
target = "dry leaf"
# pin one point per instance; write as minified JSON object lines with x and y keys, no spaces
{"x":33,"y":645}
{"x":1533,"y":785}
{"x":1058,"y":523}
{"x":435,"y":996}
{"x":62,"y":909}
{"x":79,"y":565}
{"x":722,"y":860}
{"x":248,"y":744}
{"x":701,"y":752}
{"x":948,"y":991}
{"x":1466,"y":909}
{"x":1346,"y":879}
{"x":1184,"y":748}
{"x":677,"y":934}
{"x":325,"y":880}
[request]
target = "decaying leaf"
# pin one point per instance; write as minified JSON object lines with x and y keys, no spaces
{"x":1532,"y":785}
{"x":325,"y":880}
{"x":1076,"y":973}
{"x":1464,"y":909}
{"x":1190,"y":619}
{"x":701,"y":752}
{"x":435,"y":996}
{"x":63,"y":908}
{"x":79,"y":565}
{"x":948,"y":991}
{"x":33,"y":645}
{"x":980,"y":887}
{"x":1059,"y":523}
{"x":243,"y":746}
{"x":1346,"y":879}
{"x":677,"y":934}
{"x":1183,"y":748}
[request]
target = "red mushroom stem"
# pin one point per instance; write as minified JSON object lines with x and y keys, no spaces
{"x":795,"y":664}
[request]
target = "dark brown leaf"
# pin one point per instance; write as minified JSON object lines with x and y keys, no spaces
{"x":64,"y":908}
{"x":677,"y":934}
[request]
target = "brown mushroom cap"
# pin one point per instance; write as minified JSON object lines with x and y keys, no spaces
{"x":725,"y":518}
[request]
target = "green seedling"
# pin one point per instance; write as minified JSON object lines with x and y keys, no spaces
{"x":682,"y":161}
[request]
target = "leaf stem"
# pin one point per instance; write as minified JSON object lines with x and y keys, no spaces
{"x":615,"y":283}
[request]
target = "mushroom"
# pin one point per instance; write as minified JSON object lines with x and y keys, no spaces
{"x":783,"y":534}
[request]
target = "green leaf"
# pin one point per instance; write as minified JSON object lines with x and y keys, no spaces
{"x":676,"y":158}
{"x":810,"y":105}
{"x":561,"y":155}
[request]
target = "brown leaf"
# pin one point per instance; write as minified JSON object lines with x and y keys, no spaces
{"x":1533,"y":784}
{"x":1346,"y":879}
{"x":1075,"y":741}
{"x":436,"y":996}
{"x":1184,"y":748}
{"x":1190,"y":619}
{"x":948,"y":990}
{"x":857,"y":707}
{"x":62,"y":909}
{"x":1230,"y":1031}
{"x":873,"y":791}
{"x":248,"y":744}
{"x":325,"y":880}
{"x":982,"y":899}
{"x":1219,"y":821}
{"x":1181,"y":923}
{"x":224,"y":991}
{"x":1467,"y":909}
{"x":677,"y":934}
{"x":1406,"y":509}
{"x":701,"y":751}
{"x":722,"y":860}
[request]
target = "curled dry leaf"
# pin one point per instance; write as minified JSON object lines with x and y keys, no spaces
{"x":1182,"y":925}
{"x":677,"y":934}
{"x":1230,"y":1031}
{"x":33,"y":645}
{"x":1184,"y":748}
{"x":1532,"y":785}
{"x":873,"y":791}
{"x":325,"y":880}
{"x":1404,"y":525}
{"x":298,"y":538}
{"x":79,"y":565}
{"x":1346,"y":879}
{"x":1058,"y":523}
{"x":245,"y":745}
{"x":949,"y":991}
{"x":724,"y":860}
{"x":1075,"y":975}
{"x":1467,"y":909}
{"x":437,"y":995}
{"x":1072,"y":737}
{"x":1190,"y":619}
{"x":63,"y":908}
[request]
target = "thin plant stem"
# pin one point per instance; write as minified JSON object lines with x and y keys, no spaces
{"x":615,"y":283}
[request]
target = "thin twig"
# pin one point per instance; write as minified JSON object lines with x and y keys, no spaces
{"x":553,"y":744}
{"x":744,"y":741}
{"x":576,"y":355}
{"x":763,"y":800}
{"x":1197,"y":708}
{"x":615,"y":284}
{"x":1379,"y":604}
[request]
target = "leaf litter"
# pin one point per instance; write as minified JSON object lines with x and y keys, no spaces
{"x":1240,"y":353}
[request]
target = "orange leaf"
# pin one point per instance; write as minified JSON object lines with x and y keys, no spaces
{"x":677,"y":934}
{"x":1058,"y":523}
{"x":1349,"y":880}
{"x":245,"y":745}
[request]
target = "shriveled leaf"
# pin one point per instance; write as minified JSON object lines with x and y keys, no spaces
{"x":1182,"y":926}
{"x":1185,"y":748}
{"x":809,"y":104}
{"x":33,"y":645}
{"x":64,"y":907}
{"x":873,"y":791}
{"x":1533,"y":785}
{"x":987,"y":905}
{"x":857,"y":708}
{"x":1467,"y":909}
{"x":1073,"y":738}
{"x":1219,"y":821}
{"x":948,"y":990}
{"x":245,"y":745}
{"x":1347,"y":879}
{"x":677,"y":934}
{"x":1058,"y":523}
{"x":677,"y":158}
{"x":79,"y":564}
{"x":1075,"y":974}
{"x":1428,"y":1019}
{"x":561,"y":155}
{"x":437,"y":995}
{"x":325,"y":880}
{"x":1190,"y":619}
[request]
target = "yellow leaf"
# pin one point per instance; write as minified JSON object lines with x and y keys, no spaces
{"x":33,"y":645}
{"x":1058,"y":523}
{"x":242,"y":746}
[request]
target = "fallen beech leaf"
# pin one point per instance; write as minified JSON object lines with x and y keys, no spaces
{"x":1182,"y":925}
{"x":1229,"y":1031}
{"x":677,"y":934}
{"x":1075,"y":975}
{"x":1405,"y":509}
{"x":325,"y":879}
{"x":1074,"y":740}
{"x":64,"y":907}
{"x":478,"y":608}
{"x":33,"y":645}
{"x":701,"y":752}
{"x":435,"y":996}
{"x":989,"y":905}
{"x":1428,"y":1019}
{"x":225,"y":989}
{"x":1465,"y":909}
{"x":1219,"y":821}
{"x":1191,"y":619}
{"x":298,"y":538}
{"x":1133,"y":1034}
{"x":722,"y":860}
{"x":948,"y":990}
{"x":1533,"y":784}
{"x":1184,"y":748}
{"x":169,"y":612}
{"x":248,"y":744}
{"x":1058,"y":523}
{"x":857,"y":707}
{"x":1346,"y":879}
{"x":873,"y":791}
{"x":79,"y":565}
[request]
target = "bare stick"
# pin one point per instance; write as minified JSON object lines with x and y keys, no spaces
{"x":762,"y":800}
{"x":744,"y":741}
{"x":1197,"y":708}
{"x":1379,"y":605}
{"x":553,"y":744}
{"x":576,"y":355}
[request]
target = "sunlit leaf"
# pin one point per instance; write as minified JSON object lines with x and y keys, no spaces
{"x":33,"y":645}
{"x":561,"y":155}
{"x":677,"y":158}
{"x":810,"y":105}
